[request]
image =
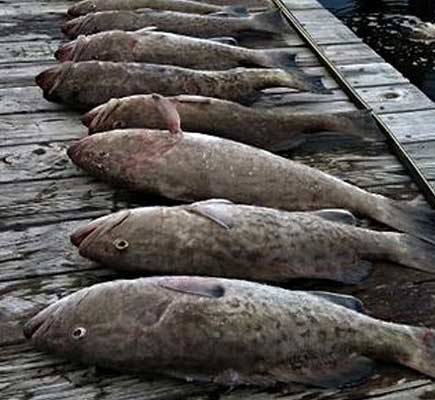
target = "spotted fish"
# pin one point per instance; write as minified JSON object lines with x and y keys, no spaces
{"x":228,"y":332}
{"x":219,"y":238}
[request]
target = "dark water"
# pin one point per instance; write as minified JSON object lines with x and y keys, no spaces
{"x":386,"y":25}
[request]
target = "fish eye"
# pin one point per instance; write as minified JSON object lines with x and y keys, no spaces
{"x":121,"y":244}
{"x":79,"y":333}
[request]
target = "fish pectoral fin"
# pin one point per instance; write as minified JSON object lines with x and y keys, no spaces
{"x":214,"y":210}
{"x":168,"y":112}
{"x":193,"y":286}
{"x":225,"y":40}
{"x":327,"y":373}
{"x":350,"y":302}
{"x":337,"y":215}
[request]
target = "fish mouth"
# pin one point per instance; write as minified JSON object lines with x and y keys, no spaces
{"x":65,"y":52}
{"x":72,"y":28}
{"x":83,"y":236}
{"x":75,"y":150}
{"x":90,"y":116}
{"x":41,"y":321}
{"x":47,"y":79}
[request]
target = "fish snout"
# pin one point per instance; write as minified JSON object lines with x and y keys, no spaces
{"x":89,"y":117}
{"x":84,"y":235}
{"x":31,"y":326}
{"x":47,"y":79}
{"x":65,"y":52}
{"x":74,"y":151}
{"x":71,"y":28}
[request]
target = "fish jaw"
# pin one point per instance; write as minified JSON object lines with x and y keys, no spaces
{"x":72,"y":28}
{"x":47,"y":79}
{"x":88,"y":237}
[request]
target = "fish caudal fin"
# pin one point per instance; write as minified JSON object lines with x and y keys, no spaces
{"x":299,"y":80}
{"x":414,"y":253}
{"x":271,"y":22}
{"x":417,"y":221}
{"x":277,"y":58}
{"x":415,"y":348}
{"x":359,"y":123}
{"x":232,"y":11}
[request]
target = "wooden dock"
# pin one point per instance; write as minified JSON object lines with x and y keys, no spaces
{"x":43,"y":197}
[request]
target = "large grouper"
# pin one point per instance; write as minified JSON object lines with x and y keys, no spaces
{"x":273,"y":129}
{"x":228,"y":332}
{"x":149,"y":46}
{"x":87,"y":84}
{"x":206,"y":26}
{"x":191,"y":166}
{"x":186,"y":6}
{"x":218,"y":238}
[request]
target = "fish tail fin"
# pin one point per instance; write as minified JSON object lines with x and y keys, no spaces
{"x":417,"y":221}
{"x":304,"y":82}
{"x":414,"y":253}
{"x":277,"y":58}
{"x":414,"y":347}
{"x":359,"y":123}
{"x":271,"y":22}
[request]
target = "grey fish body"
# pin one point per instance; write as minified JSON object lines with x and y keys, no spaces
{"x":264,"y":128}
{"x":226,"y":331}
{"x":187,"y":6}
{"x":87,"y":84}
{"x":219,"y":238}
{"x":205,"y":26}
{"x":166,"y":48}
{"x":190,"y":167}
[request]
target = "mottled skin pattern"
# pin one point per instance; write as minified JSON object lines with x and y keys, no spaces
{"x":192,"y":167}
{"x":206,"y":26}
{"x":247,"y":242}
{"x":87,"y":84}
{"x":224,"y":331}
{"x":187,"y":6}
{"x":167,"y":48}
{"x":264,"y":128}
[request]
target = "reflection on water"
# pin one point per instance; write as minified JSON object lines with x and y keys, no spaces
{"x":387,"y":26}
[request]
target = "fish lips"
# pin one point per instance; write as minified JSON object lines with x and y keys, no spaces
{"x":72,"y":28}
{"x":83,"y":237}
{"x":65,"y":52}
{"x":40,"y":323}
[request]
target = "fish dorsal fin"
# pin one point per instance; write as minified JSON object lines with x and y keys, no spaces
{"x":329,"y":372}
{"x":194,"y":286}
{"x":342,"y":300}
{"x":169,"y":113}
{"x":225,"y":40}
{"x":215,"y":210}
{"x":337,"y":215}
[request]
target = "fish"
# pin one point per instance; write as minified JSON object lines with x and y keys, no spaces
{"x":266,"y":128}
{"x":152,"y":47}
{"x":188,"y":167}
{"x":87,"y":84}
{"x":205,"y":26}
{"x":228,"y":332}
{"x":219,"y":238}
{"x":187,"y":6}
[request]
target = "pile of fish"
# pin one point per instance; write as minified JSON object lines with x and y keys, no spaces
{"x":168,"y":93}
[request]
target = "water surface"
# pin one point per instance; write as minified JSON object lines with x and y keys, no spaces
{"x":386,"y":26}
